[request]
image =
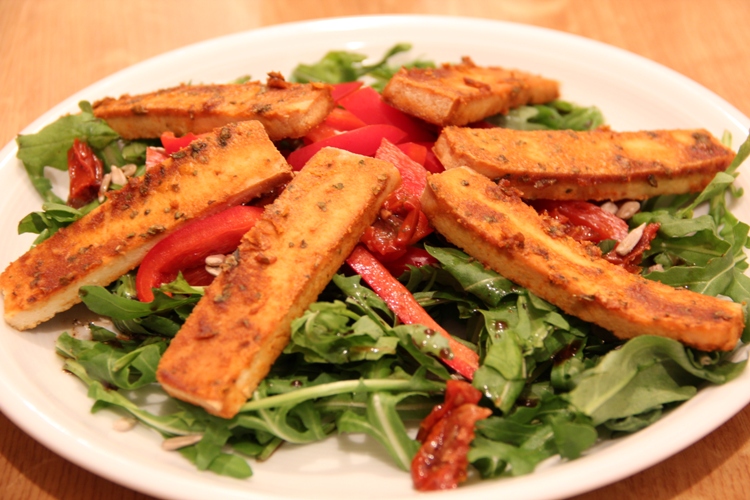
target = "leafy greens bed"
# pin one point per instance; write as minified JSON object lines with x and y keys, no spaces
{"x":555,"y":384}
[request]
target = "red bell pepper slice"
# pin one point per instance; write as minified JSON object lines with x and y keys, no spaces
{"x":173,"y":144}
{"x":338,"y":121}
{"x":189,"y":246}
{"x":417,"y":152}
{"x":367,"y":104}
{"x":402,"y":302}
{"x":413,"y":175}
{"x":363,"y":141}
{"x":85,"y":172}
{"x":344,"y":89}
{"x":155,"y":156}
{"x":432,"y":164}
{"x":413,"y":256}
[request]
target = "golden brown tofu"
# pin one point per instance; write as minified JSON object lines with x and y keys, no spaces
{"x":239,"y":328}
{"x":231,"y":166}
{"x":492,"y":224}
{"x":594,"y":165}
{"x":286,"y":110}
{"x":463,"y":93}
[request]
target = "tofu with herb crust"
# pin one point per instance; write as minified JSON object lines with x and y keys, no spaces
{"x":492,"y":224}
{"x":238,"y":329}
{"x":228,"y":167}
{"x":459,"y":94}
{"x":593,"y":165}
{"x":286,"y":110}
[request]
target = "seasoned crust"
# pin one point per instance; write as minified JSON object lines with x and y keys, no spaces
{"x":592,"y":165}
{"x":493,"y":225}
{"x":463,"y":93}
{"x":235,"y":333}
{"x":286,"y":110}
{"x":231,"y":166}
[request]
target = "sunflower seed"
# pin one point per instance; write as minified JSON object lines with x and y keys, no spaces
{"x":628,"y":209}
{"x":214,"y":260}
{"x":129,"y":169}
{"x":118,"y":177}
{"x":106,"y":180}
{"x":175,"y":443}
{"x":629,"y":242}
{"x":124,"y":424}
{"x":610,"y":207}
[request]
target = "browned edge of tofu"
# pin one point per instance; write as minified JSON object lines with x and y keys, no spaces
{"x":458,"y":94}
{"x":286,"y":110}
{"x":592,"y":165}
{"x":492,"y":224}
{"x":242,"y":324}
{"x":228,"y":167}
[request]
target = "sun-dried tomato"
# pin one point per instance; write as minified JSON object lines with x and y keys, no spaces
{"x":441,"y":462}
{"x":85,"y":172}
{"x":584,"y":221}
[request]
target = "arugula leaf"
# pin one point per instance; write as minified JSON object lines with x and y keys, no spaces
{"x":52,"y":218}
{"x":384,"y":424}
{"x":341,"y":66}
{"x":615,"y":387}
{"x":555,"y":115}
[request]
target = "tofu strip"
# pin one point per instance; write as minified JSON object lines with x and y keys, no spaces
{"x":493,"y":225}
{"x":593,"y":165}
{"x":230,"y":166}
{"x":460,"y":94}
{"x":239,"y":328}
{"x":285,"y":109}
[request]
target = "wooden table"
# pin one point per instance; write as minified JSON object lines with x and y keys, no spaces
{"x":51,"y":48}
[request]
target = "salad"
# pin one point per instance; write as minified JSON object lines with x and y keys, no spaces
{"x":554,"y":385}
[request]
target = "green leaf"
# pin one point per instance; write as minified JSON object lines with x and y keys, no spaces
{"x":600,"y":391}
{"x":341,"y":66}
{"x":383,"y":423}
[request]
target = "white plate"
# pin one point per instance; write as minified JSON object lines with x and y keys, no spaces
{"x":633,"y":93}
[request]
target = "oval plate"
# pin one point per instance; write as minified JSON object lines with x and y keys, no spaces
{"x":633,"y":93}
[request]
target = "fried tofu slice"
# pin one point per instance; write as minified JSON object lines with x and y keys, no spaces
{"x":592,"y":165}
{"x":493,"y":225}
{"x":458,"y":94}
{"x":286,"y":110}
{"x":242,"y":324}
{"x":230,"y":166}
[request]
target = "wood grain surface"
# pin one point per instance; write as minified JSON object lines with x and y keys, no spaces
{"x":50,"y":49}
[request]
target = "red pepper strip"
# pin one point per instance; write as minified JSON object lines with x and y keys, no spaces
{"x":442,"y":460}
{"x":155,"y":156}
{"x":413,"y":256}
{"x":363,"y":141}
{"x":402,"y":302}
{"x":344,"y":89}
{"x":413,"y":175}
{"x":189,"y":246}
{"x":367,"y":104}
{"x":417,"y":152}
{"x":338,"y":121}
{"x":173,"y":144}
{"x":432,"y":164}
{"x":85,"y":172}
